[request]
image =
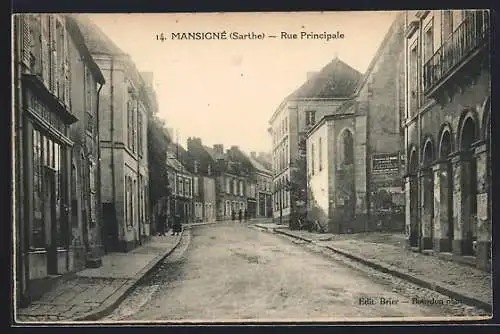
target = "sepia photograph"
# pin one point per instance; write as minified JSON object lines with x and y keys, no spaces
{"x":251,"y":167}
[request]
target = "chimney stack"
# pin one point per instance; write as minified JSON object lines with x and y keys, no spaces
{"x":219,"y":149}
{"x":253,"y":154}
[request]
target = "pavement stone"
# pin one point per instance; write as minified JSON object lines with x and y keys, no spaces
{"x":89,"y":290}
{"x":389,"y":250}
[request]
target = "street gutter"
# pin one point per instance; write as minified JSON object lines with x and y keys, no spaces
{"x":388,"y":269}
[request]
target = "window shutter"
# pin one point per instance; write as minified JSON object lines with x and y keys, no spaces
{"x":53,"y":55}
{"x":67,"y":73}
{"x":27,"y":39}
{"x":45,"y":49}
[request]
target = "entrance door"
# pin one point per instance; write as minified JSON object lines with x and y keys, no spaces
{"x":110,"y":227}
{"x":49,"y":216}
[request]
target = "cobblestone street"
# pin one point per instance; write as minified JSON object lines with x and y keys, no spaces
{"x":232,"y":272}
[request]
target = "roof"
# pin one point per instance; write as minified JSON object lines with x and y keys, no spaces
{"x":97,"y":41}
{"x":337,"y":80}
{"x":76,"y":33}
{"x":172,"y":162}
{"x":257,"y":165}
{"x":212,"y":153}
{"x":397,"y":23}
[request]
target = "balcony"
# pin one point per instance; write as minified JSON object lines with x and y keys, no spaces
{"x":470,"y":37}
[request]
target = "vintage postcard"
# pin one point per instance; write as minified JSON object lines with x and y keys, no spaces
{"x":252,"y":167}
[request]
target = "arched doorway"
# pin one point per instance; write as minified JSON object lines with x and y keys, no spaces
{"x":414,"y":234}
{"x":468,"y":186}
{"x":345,"y":181}
{"x":427,"y":215}
{"x":446,"y":188}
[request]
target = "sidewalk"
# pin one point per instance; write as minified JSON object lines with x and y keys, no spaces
{"x":94,"y":292}
{"x":387,"y":252}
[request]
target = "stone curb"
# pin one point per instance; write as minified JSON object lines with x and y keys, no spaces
{"x":388,"y":269}
{"x":118,"y":296}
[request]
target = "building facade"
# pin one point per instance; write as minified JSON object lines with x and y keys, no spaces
{"x":180,"y":201}
{"x":87,"y":81}
{"x":124,"y":108}
{"x":47,"y":95}
{"x":263,"y":188}
{"x":201,"y":165}
{"x":447,"y":134}
{"x":354,"y":152}
{"x":320,"y":95}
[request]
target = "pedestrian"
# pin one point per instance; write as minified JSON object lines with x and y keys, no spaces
{"x":233,"y":215}
{"x":177,"y":228}
{"x":161,"y":224}
{"x":240,"y":214}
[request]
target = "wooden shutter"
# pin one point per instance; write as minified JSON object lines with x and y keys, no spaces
{"x":53,"y":55}
{"x":45,"y":49}
{"x":67,"y":73}
{"x":27,"y":39}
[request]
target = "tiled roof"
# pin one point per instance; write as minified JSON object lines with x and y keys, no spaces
{"x":214,"y":155}
{"x":97,"y":41}
{"x":257,"y":165}
{"x":175,"y":164}
{"x":335,"y":80}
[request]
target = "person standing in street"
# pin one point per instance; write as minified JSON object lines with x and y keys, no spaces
{"x":161,"y":224}
{"x":177,"y":228}
{"x":240,"y":215}
{"x":233,"y":215}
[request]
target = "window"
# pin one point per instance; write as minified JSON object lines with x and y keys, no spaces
{"x":347,"y":149}
{"x":413,"y":77}
{"x":209,"y":169}
{"x":228,"y":185}
{"x":428,"y":42}
{"x":130,"y":107}
{"x":241,"y":188}
{"x":195,"y":186}
{"x":48,"y":181}
{"x":447,"y":17}
{"x":139,"y":132}
{"x":320,"y":155}
{"x":235,"y":187}
{"x":310,"y":117}
{"x":196,"y":166}
{"x":312,"y":158}
{"x":134,"y":130}
{"x":180,"y":189}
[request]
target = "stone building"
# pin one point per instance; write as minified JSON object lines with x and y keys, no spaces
{"x":263,"y":187}
{"x":447,"y":134}
{"x":86,"y":84}
{"x":354,"y":150}
{"x":201,"y":165}
{"x":48,"y":91}
{"x":298,"y":113}
{"x":124,"y":108}
{"x":180,"y":201}
{"x":231,"y":175}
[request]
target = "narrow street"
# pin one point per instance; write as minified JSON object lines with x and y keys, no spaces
{"x":230,"y":271}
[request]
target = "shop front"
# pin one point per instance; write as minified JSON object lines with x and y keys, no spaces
{"x":46,"y":234}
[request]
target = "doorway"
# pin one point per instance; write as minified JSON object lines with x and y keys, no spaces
{"x":110,"y":227}
{"x":50,"y":220}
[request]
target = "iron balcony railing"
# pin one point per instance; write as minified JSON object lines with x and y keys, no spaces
{"x":469,"y":36}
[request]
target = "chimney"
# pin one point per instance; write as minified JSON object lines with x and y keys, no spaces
{"x":234,"y":147}
{"x":253,"y":154}
{"x":148,"y":78}
{"x":219,"y":149}
{"x":311,"y":74}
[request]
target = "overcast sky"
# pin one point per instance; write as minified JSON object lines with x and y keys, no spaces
{"x":225,"y":91}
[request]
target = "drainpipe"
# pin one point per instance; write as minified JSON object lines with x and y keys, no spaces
{"x":419,"y":131}
{"x":138,"y":179}
{"x":98,"y":166}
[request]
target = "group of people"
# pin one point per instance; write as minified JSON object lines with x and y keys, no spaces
{"x":242,"y":215}
{"x":165,"y":223}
